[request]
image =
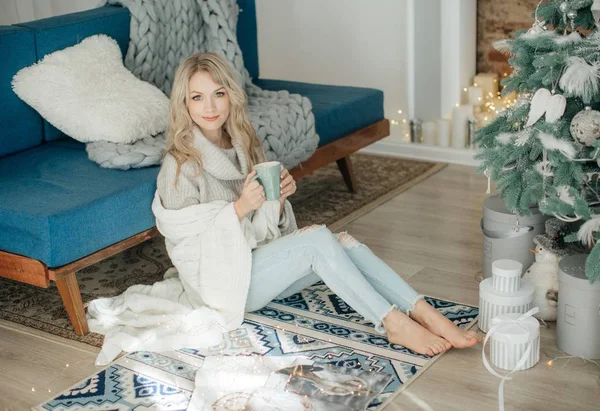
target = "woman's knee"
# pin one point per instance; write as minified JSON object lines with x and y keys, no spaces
{"x":318,"y":234}
{"x":347,"y":241}
{"x":322,"y":234}
{"x":310,"y":228}
{"x":314,"y":230}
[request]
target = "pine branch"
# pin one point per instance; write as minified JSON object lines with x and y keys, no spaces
{"x":513,"y":156}
{"x":592,"y":264}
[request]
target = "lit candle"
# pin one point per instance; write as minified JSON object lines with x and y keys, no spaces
{"x":460,"y":123}
{"x":488,"y":82}
{"x":428,"y":133}
{"x":443,"y":131}
{"x":475,"y":96}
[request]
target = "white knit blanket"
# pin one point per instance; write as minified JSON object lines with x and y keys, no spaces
{"x":202,"y":297}
{"x":162,"y":34}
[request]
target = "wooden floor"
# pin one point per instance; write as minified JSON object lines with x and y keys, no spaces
{"x":430,"y":235}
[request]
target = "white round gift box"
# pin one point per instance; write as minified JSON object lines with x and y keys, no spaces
{"x":578,"y":323}
{"x":493,"y":303}
{"x":506,"y":275}
{"x":510,"y":340}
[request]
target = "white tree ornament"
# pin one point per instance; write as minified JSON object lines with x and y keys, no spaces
{"x":596,"y":12}
{"x":544,"y":103}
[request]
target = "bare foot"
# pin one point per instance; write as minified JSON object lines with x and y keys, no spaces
{"x":403,"y":331}
{"x":435,"y":322}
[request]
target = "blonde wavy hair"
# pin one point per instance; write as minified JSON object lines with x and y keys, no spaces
{"x":180,"y":137}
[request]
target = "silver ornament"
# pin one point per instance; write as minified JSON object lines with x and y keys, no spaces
{"x":572,"y":14}
{"x":585,"y":126}
{"x":563,"y":7}
{"x":537,"y":27}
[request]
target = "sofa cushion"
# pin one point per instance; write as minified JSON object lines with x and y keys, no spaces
{"x":20,"y":125}
{"x":57,"y":33}
{"x":338,"y":110}
{"x":57,"y":206}
{"x":85,"y":91}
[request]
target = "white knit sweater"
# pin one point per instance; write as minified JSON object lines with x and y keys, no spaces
{"x":203,"y":296}
{"x":222,"y":178}
{"x":211,"y":249}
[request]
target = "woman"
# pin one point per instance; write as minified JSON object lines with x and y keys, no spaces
{"x":212,"y":147}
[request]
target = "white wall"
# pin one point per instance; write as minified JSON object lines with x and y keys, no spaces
{"x":424,"y":60}
{"x":19,"y":11}
{"x":421,"y":53}
{"x":458,"y":50}
{"x":340,"y":42}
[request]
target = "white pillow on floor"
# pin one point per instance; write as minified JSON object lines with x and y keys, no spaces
{"x":87,"y":93}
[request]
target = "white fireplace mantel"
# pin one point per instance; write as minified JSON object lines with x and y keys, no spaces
{"x":441,"y":40}
{"x":441,"y":61}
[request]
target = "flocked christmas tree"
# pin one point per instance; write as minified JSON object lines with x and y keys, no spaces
{"x":546,"y":148}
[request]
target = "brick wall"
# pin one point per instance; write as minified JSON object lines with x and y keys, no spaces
{"x":497,"y":20}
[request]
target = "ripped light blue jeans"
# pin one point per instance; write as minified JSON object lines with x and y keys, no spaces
{"x":350,"y":269}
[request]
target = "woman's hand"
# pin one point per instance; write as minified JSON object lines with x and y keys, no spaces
{"x":252,"y":198}
{"x":288,"y":185}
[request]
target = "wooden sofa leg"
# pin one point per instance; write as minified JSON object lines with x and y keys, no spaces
{"x":71,"y":297}
{"x":345,"y":167}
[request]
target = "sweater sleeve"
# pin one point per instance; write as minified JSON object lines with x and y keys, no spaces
{"x":177,"y":196}
{"x":287,"y":220}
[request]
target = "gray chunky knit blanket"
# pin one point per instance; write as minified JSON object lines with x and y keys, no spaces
{"x":162,"y":34}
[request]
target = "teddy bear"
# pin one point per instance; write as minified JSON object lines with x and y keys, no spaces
{"x":543,"y":273}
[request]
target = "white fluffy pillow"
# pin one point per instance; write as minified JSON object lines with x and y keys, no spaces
{"x":87,"y":93}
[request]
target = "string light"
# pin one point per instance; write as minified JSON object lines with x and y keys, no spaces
{"x":231,"y":351}
{"x":495,"y":104}
{"x":57,"y":376}
{"x":569,"y":358}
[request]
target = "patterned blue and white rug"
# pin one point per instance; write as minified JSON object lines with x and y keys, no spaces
{"x":314,"y":323}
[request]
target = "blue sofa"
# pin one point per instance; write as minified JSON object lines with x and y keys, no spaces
{"x":61,"y":212}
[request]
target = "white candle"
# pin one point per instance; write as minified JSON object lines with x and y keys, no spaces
{"x":443,"y":130}
{"x":488,"y":82}
{"x":460,"y":123}
{"x":475,"y":96}
{"x":428,"y":133}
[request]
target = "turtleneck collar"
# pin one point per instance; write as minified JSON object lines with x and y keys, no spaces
{"x":215,"y":161}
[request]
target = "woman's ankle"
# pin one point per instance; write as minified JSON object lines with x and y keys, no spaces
{"x":421,"y":311}
{"x":394,"y":319}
